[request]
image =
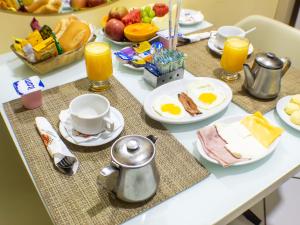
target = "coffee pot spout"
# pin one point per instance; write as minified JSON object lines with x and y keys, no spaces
{"x":249,"y":80}
{"x":108,"y":177}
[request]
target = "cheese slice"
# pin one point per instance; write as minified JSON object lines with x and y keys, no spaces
{"x":261,"y":129}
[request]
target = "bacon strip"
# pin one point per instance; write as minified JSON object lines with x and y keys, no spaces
{"x":188,"y":104}
{"x":214,"y":146}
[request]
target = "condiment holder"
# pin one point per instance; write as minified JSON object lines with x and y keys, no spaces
{"x":156,"y":81}
{"x":167,"y":65}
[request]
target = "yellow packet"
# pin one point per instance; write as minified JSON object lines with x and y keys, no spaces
{"x":142,"y":47}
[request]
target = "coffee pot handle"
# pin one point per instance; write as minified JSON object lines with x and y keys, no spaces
{"x":286,"y":64}
{"x":109,"y":124}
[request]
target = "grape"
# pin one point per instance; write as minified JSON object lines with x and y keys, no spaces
{"x":147,"y":9}
{"x":151,"y":13}
{"x":147,"y":19}
{"x":144,"y":13}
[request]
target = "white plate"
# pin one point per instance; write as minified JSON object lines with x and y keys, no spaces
{"x":175,"y":87}
{"x":212,"y":46}
{"x":190,"y":17}
{"x":280,"y":110}
{"x":120,"y":43}
{"x":233,"y":119}
{"x":115,"y":115}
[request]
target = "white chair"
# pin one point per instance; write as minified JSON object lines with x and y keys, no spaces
{"x":273,"y":36}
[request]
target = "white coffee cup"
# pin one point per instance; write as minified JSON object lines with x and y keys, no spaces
{"x":90,"y":114}
{"x":225,"y":32}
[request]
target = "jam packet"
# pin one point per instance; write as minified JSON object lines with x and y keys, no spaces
{"x":30,"y":90}
{"x":125,"y":55}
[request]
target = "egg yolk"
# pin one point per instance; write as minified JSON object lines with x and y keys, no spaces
{"x":171,"y":108}
{"x":207,"y":98}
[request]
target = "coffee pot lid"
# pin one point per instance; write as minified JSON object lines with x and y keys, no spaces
{"x":133,"y":151}
{"x":269,"y":60}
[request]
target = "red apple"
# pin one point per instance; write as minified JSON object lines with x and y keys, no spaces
{"x":115,"y":29}
{"x":118,"y":12}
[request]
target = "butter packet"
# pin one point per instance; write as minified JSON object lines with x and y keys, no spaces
{"x":142,"y":47}
{"x":45,"y":49}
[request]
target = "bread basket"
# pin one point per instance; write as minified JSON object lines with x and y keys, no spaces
{"x":54,"y":63}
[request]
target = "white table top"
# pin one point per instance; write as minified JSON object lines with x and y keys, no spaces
{"x":221,"y":197}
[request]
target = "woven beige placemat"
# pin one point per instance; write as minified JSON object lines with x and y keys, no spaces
{"x":78,"y":199}
{"x":202,"y":62}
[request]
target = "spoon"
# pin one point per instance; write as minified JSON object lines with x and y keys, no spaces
{"x":250,"y":30}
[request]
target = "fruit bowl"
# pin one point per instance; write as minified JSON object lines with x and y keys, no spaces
{"x":139,"y":32}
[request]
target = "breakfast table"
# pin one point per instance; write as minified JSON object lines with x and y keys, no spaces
{"x":218,"y":199}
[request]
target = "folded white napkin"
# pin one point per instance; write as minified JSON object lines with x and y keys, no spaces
{"x":77,"y":137}
{"x":55,"y":146}
{"x":196,"y":37}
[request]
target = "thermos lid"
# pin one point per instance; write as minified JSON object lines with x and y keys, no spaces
{"x":269,"y":60}
{"x":133,"y":151}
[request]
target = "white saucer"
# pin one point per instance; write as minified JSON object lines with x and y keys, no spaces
{"x":115,"y":116}
{"x":282,"y":114}
{"x":212,"y":46}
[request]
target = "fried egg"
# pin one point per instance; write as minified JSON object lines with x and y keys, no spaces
{"x":207,"y":97}
{"x":168,"y":107}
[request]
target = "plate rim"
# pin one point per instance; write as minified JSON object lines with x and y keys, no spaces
{"x":89,"y":144}
{"x":271,"y":149}
{"x":161,"y":119}
{"x":282,"y":114}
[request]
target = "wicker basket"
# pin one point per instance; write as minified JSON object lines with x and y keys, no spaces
{"x":54,"y":62}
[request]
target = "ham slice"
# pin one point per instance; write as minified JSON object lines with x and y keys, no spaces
{"x":214,"y":146}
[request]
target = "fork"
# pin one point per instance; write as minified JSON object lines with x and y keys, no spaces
{"x":66,"y":164}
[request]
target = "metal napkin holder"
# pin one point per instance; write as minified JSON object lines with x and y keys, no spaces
{"x":156,"y":81}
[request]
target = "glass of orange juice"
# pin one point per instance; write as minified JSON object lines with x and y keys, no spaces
{"x":98,"y":62}
{"x":234,"y":56}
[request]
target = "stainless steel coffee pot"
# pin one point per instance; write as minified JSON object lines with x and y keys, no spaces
{"x":263,"y":80}
{"x":132,"y":172}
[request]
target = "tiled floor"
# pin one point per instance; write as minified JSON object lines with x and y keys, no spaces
{"x":281,"y":207}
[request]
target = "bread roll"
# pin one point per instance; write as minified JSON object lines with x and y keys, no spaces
{"x":36,"y":4}
{"x":61,"y":26}
{"x":75,"y":36}
{"x":44,"y":6}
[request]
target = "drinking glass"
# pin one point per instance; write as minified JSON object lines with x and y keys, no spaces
{"x":98,"y":62}
{"x":234,"y":56}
